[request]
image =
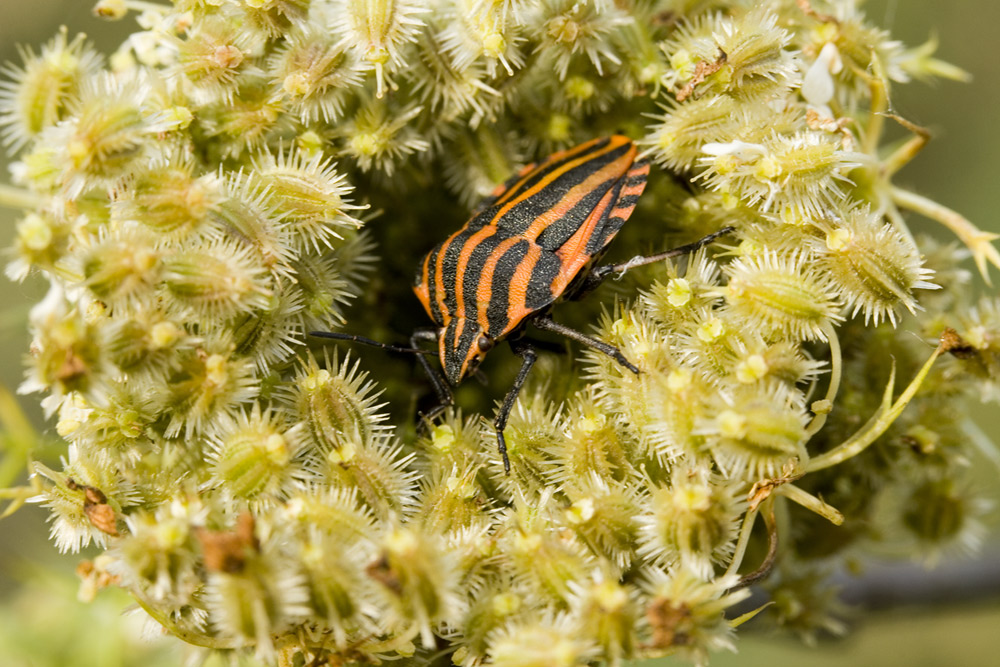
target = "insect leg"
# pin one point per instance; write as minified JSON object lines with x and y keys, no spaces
{"x":529,"y":355}
{"x":597,"y":275}
{"x":548,"y":324}
{"x":441,"y":388}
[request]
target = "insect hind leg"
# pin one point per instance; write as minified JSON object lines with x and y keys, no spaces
{"x":598,"y":274}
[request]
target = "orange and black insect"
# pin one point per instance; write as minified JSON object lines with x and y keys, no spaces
{"x":533,"y":242}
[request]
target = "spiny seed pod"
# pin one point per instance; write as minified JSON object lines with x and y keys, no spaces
{"x":454,"y":444}
{"x":602,"y":515}
{"x":308,"y":195}
{"x":248,"y":120}
{"x":119,"y":427}
{"x":316,"y":72}
{"x":336,"y":402}
{"x":532,"y":431}
{"x":217,"y":280}
{"x":943,"y":516}
{"x":67,"y":354}
{"x":757,"y":432}
{"x":548,"y":561}
{"x":211,"y":56}
{"x":34,"y":96}
{"x":572,"y":29}
{"x":378,"y":469}
{"x":42,"y":241}
{"x":795,"y":176}
{"x":74,"y":494}
{"x":205,"y":389}
{"x":415,"y":577}
{"x":875,"y":265}
{"x":252,"y":603}
{"x":483,"y":30}
{"x":337,"y":536}
{"x":607,"y":613}
{"x":781,"y":296}
{"x":377,"y":31}
{"x":685,"y":613}
{"x":593,"y":445}
{"x":122,"y":268}
{"x":274,"y":17}
{"x":671,"y":302}
{"x":378,"y":137}
{"x":260,"y":459}
{"x":453,"y":501}
{"x":450,"y":90}
{"x":675,"y":141}
{"x":693,"y":521}
{"x":546,"y":642}
{"x":156,"y":554}
{"x":168,"y":199}
{"x":489,"y":609}
{"x":108,"y":132}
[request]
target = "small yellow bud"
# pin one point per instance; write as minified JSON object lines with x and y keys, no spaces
{"x":679,"y":292}
{"x":751,"y":369}
{"x":34,"y":232}
{"x":581,"y":511}
{"x":683,"y":64}
{"x":563,"y":29}
{"x":838,"y":239}
{"x":679,"y":379}
{"x":768,"y":168}
{"x":443,"y":438}
{"x":494,"y":44}
{"x":365,"y":144}
{"x":731,"y":424}
{"x":505,"y":604}
{"x":559,"y":127}
{"x":310,"y":142}
{"x":215,"y":369}
{"x":711,"y":329}
{"x":344,"y":454}
{"x":580,"y":88}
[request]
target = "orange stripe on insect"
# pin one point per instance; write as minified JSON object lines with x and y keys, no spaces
{"x":463,"y":261}
{"x":572,"y":253}
{"x":604,"y":175}
{"x":484,"y":290}
{"x":526,"y":173}
{"x":517,"y":300}
{"x":549,"y":178}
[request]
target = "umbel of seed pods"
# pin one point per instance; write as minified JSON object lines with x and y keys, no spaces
{"x":533,"y":241}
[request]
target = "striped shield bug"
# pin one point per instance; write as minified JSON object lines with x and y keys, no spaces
{"x":532,"y":242}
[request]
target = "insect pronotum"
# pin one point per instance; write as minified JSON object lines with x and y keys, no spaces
{"x":533,"y":241}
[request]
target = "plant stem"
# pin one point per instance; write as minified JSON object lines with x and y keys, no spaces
{"x":811,"y":502}
{"x":978,"y":241}
{"x":880,"y":422}
{"x":12,"y":197}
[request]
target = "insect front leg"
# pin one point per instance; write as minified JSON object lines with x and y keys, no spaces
{"x":547,"y":324}
{"x":528,"y":354}
{"x":441,"y":388}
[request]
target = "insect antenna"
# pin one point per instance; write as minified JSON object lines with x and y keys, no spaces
{"x":368,"y":341}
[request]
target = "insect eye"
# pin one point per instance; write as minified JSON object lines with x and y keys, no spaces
{"x":484,"y":343}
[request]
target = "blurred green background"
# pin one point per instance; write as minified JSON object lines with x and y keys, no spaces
{"x":42,"y":623}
